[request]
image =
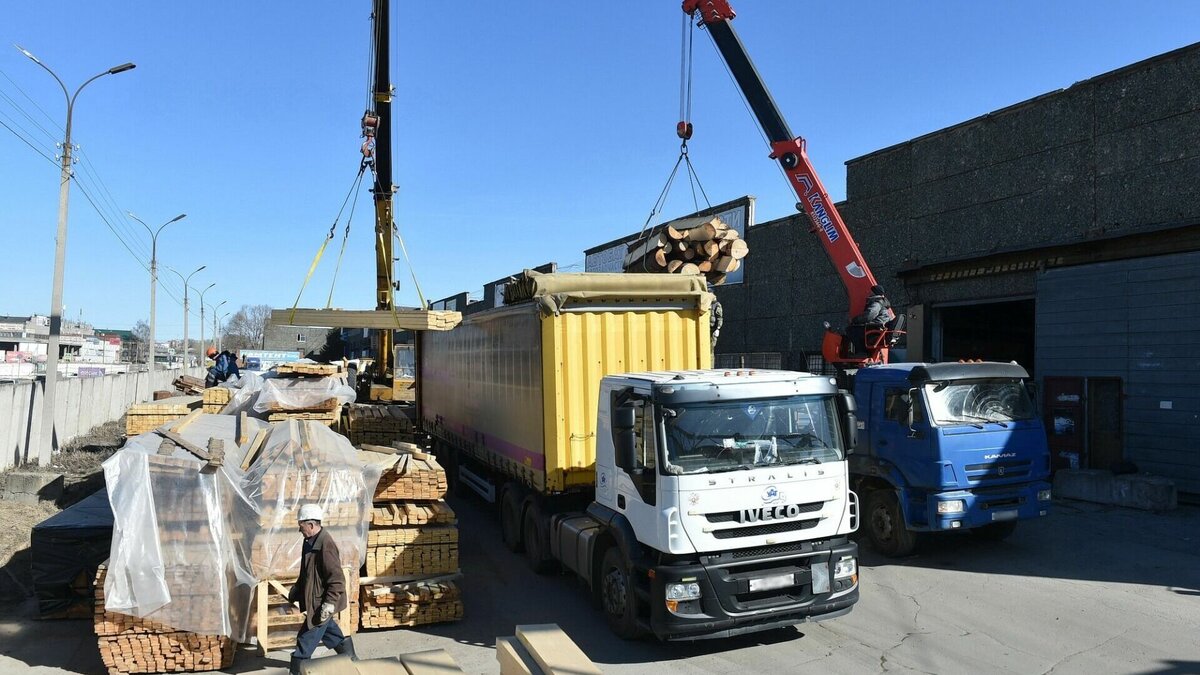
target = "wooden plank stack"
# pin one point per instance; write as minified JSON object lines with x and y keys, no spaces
{"x":700,"y":245}
{"x":399,"y":319}
{"x":542,"y":649}
{"x":276,"y":621}
{"x":189,"y":385}
{"x":378,"y":424}
{"x":327,"y":412}
{"x":301,"y":369}
{"x":216,"y":398}
{"x":143,"y":417}
{"x":412,"y":545}
{"x":132,"y":645}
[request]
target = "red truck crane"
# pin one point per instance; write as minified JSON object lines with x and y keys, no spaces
{"x":872,"y":326}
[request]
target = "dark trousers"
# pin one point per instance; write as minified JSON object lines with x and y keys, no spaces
{"x":307,"y":639}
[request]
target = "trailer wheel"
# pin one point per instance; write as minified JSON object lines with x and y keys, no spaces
{"x":510,"y":519}
{"x":617,"y":597}
{"x":885,"y":525}
{"x":995,"y":531}
{"x":537,"y":549}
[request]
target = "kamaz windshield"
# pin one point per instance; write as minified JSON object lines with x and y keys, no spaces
{"x":732,"y":435}
{"x":978,"y":402}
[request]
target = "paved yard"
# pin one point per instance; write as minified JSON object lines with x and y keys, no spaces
{"x":1089,"y":589}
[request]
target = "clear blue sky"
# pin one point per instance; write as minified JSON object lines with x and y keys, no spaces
{"x":525,"y":132}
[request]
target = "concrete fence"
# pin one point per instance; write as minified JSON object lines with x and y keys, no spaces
{"x":80,"y":403}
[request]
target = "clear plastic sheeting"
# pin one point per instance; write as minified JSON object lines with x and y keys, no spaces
{"x":245,"y":392}
{"x":303,"y":393}
{"x":191,"y":542}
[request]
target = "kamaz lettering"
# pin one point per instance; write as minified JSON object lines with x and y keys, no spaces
{"x":1001,"y":455}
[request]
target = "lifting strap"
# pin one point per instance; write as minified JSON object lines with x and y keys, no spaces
{"x":328,"y":238}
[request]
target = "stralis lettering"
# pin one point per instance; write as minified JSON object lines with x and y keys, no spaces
{"x":768,"y":513}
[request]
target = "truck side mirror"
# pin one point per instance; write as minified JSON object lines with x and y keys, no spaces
{"x":910,"y":415}
{"x":624,"y":435}
{"x":849,"y":412}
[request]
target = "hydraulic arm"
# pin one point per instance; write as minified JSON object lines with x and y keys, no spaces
{"x":872,"y":326}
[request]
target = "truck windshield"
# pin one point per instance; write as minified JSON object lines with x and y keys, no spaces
{"x":977,"y":402}
{"x":732,"y":435}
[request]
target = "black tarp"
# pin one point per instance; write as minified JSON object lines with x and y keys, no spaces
{"x":73,"y":542}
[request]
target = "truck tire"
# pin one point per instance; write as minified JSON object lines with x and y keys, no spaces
{"x":995,"y":531}
{"x":618,"y":600}
{"x":885,"y":525}
{"x":510,"y":519}
{"x":537,"y":542}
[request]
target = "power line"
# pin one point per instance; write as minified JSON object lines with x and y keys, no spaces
{"x":35,"y":103}
{"x":26,"y":141}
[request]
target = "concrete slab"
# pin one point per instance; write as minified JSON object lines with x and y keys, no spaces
{"x":1140,"y":491}
{"x":30,"y":487}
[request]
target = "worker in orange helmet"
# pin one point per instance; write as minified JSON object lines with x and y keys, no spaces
{"x":224,"y":367}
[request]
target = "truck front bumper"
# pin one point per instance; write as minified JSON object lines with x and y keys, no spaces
{"x":986,"y":506}
{"x":753,"y":590}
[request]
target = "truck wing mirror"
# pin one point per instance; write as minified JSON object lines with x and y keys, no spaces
{"x":910,"y":415}
{"x":849,"y":412}
{"x":624,"y":421}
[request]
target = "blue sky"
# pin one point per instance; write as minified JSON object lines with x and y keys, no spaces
{"x":524,"y":132}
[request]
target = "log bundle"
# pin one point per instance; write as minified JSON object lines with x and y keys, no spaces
{"x":132,"y":645}
{"x":703,"y":245}
{"x":378,"y":424}
{"x":411,"y":604}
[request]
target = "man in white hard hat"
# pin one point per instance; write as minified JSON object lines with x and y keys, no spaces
{"x":320,"y":590}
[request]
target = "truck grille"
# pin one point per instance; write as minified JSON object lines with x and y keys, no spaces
{"x":764,"y":551}
{"x":778,"y":527}
{"x":732,"y":516}
{"x":998,"y":471}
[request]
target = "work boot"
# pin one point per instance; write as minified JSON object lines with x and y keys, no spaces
{"x":294,"y":667}
{"x":347,"y":648}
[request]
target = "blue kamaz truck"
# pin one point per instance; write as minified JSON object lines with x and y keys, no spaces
{"x":947,"y":446}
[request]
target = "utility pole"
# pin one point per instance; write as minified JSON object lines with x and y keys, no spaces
{"x":186,"y":280}
{"x":154,"y":275}
{"x":202,"y":350}
{"x":216,"y":335}
{"x":221,"y":338}
{"x":60,"y":260}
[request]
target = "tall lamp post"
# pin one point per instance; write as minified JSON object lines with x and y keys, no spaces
{"x":186,"y":280}
{"x":154,"y":274}
{"x":220,"y":338}
{"x":202,"y":354}
{"x":216,"y":335}
{"x":60,"y":260}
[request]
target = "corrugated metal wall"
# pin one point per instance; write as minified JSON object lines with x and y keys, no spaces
{"x":1138,"y":320}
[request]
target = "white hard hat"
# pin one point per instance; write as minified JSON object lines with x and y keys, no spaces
{"x":311,"y":512}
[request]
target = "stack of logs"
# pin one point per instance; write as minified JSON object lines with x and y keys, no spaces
{"x":216,"y":398}
{"x":143,"y":417}
{"x":412,"y":546}
{"x":701,"y":245}
{"x":132,"y":645}
{"x":378,"y":424}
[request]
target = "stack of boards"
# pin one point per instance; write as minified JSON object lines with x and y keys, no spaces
{"x":216,"y":398}
{"x":701,"y":245}
{"x":542,"y":648}
{"x":327,"y":412}
{"x":144,"y":417}
{"x":132,"y":645}
{"x":412,"y":545}
{"x":378,"y":424}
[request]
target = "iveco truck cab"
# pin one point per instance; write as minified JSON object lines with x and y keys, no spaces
{"x":947,"y":446}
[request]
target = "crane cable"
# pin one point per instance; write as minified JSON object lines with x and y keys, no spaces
{"x":328,"y":238}
{"x":684,"y":130}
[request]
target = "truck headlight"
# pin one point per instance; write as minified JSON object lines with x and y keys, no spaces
{"x":1043,"y":495}
{"x":845,"y":568}
{"x":680,"y":592}
{"x":951,"y":506}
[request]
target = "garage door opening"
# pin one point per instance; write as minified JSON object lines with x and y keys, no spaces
{"x":993,"y":331}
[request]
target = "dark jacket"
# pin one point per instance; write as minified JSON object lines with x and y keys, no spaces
{"x":321,"y":580}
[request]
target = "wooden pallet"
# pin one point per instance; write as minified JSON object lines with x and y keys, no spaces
{"x":321,"y":369}
{"x":188,"y":384}
{"x":131,"y":645}
{"x":410,"y":604}
{"x":276,"y":621}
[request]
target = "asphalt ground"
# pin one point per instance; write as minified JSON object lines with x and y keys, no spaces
{"x":1088,"y":589}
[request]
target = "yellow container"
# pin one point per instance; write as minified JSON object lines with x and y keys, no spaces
{"x":516,"y":387}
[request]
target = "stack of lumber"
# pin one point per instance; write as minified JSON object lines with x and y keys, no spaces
{"x":189,"y":385}
{"x":327,"y":411}
{"x":701,"y":245}
{"x":299,"y":368}
{"x":143,"y":417}
{"x":276,"y":621}
{"x":216,"y":398}
{"x":132,"y":645}
{"x":364,"y":423}
{"x":397,"y":319}
{"x":542,"y":648}
{"x":412,"y":544}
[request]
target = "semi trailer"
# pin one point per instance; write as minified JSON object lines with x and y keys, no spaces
{"x":692,"y":502}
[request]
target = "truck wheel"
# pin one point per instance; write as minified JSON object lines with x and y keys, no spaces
{"x":537,"y":549}
{"x":617,"y":598}
{"x":885,"y":525}
{"x":995,"y":531}
{"x":510,"y":519}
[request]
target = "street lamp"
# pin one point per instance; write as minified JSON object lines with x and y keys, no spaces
{"x":216,"y":335}
{"x":220,"y":338}
{"x":202,"y":355}
{"x":154,"y":272}
{"x":186,"y":280}
{"x":60,"y":259}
